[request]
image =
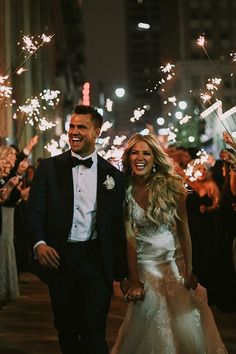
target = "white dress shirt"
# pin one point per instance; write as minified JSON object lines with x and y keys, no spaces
{"x":85,"y":200}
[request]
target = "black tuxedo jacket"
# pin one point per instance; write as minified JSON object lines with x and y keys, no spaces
{"x":50,"y":212}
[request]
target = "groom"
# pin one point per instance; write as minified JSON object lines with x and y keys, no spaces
{"x":76,"y":227}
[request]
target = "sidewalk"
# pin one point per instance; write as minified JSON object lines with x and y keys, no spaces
{"x":26,"y":324}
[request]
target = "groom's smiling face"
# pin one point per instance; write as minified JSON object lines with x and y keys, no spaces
{"x":82,"y":134}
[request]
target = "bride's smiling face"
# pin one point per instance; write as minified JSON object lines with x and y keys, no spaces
{"x":141,"y":159}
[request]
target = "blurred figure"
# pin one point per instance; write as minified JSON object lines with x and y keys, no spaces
{"x":203,"y":216}
{"x":22,"y":246}
{"x":9,"y":289}
{"x":227,"y":214}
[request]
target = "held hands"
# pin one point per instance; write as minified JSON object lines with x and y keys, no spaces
{"x":190,"y":281}
{"x":135,"y":292}
{"x":47,"y":256}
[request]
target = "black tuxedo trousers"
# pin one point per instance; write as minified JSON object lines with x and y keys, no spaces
{"x":80,"y":300}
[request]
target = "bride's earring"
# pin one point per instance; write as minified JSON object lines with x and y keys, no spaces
{"x":154,"y":169}
{"x":132,"y":173}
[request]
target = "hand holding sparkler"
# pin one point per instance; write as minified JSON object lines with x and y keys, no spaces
{"x":228,"y":139}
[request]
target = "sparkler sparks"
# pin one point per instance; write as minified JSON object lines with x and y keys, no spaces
{"x":31,"y":43}
{"x":167,"y":68}
{"x":213,"y":84}
{"x":205,"y":97}
{"x":5,"y":90}
{"x":50,"y":96}
{"x":138,"y":113}
{"x":119,"y":140}
{"x":171,"y":135}
{"x":45,"y":125}
{"x":106,"y":125}
{"x":32,"y":109}
{"x":185,"y":120}
{"x":233,"y":56}
{"x":109,"y":104}
{"x":21,"y":70}
{"x":53,"y":148}
{"x":201,"y":41}
{"x":191,"y":171}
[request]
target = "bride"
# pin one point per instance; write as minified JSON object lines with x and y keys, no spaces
{"x":168,"y":311}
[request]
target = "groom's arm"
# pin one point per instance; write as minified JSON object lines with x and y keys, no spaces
{"x":37,"y":217}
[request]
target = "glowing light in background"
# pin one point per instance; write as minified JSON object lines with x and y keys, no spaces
{"x":185,"y":120}
{"x":160,"y":121}
{"x":120,"y":92}
{"x":179,"y":115}
{"x":182,"y":105}
{"x":144,"y":132}
{"x":191,"y":139}
{"x":143,"y":25}
{"x":109,"y":104}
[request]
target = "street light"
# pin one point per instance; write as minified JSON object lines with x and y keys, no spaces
{"x":120,"y":92}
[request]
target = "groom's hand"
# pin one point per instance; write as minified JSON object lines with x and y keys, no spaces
{"x":47,"y":256}
{"x":124,"y":285}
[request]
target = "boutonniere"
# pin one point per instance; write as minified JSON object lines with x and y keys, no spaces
{"x":109,"y":183}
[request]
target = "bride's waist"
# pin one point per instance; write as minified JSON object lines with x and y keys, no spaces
{"x":159,"y":250}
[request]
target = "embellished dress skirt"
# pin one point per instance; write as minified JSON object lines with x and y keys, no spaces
{"x":171,"y":319}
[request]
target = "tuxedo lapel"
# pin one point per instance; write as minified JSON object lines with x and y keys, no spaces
{"x":103,"y":194}
{"x":64,"y":178}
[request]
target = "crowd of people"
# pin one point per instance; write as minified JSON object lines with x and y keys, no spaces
{"x":14,"y":172}
{"x":165,"y":228}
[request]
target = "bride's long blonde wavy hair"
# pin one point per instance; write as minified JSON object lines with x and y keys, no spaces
{"x":163,"y":186}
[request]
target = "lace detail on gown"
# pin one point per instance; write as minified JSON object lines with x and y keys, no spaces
{"x":171,"y":319}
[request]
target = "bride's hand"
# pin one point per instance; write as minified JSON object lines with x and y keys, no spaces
{"x":190,"y":281}
{"x":135,"y":293}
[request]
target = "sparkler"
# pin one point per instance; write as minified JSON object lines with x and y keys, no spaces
{"x":5,"y":90}
{"x":31,"y":45}
{"x":138,"y":113}
{"x":32,"y":110}
{"x":201,"y":41}
{"x":106,"y":125}
{"x":191,"y":171}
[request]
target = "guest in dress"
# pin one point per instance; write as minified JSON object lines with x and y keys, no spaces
{"x":8,"y":271}
{"x":168,"y":311}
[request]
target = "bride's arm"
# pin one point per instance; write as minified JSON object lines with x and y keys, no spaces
{"x":185,"y":239}
{"x":136,"y":288}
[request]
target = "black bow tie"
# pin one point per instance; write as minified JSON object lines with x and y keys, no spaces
{"x":75,"y":162}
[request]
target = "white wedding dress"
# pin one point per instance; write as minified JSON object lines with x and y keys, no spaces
{"x":170,"y":319}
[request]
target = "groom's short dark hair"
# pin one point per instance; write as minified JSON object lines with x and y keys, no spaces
{"x":96,"y":116}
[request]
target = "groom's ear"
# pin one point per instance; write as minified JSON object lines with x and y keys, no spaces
{"x":97,"y":132}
